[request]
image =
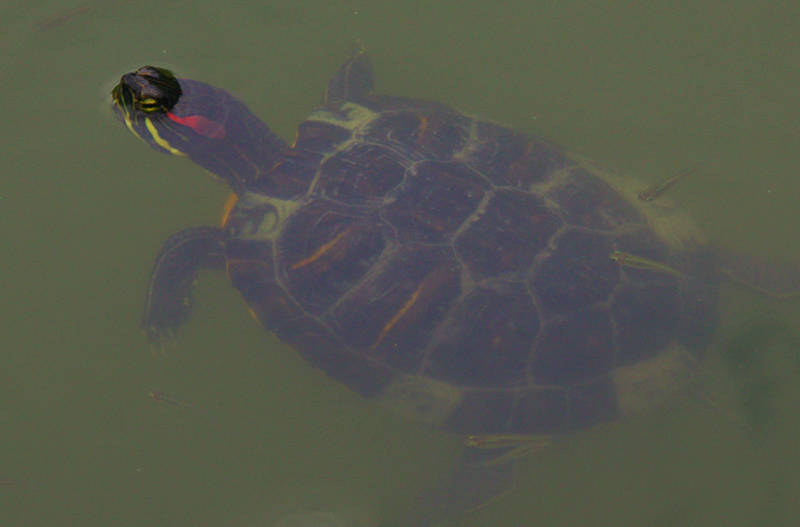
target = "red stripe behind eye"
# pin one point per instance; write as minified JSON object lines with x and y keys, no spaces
{"x":200,"y":124}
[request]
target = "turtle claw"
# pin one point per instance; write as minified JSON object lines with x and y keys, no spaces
{"x":157,"y":349}
{"x":165,"y":314}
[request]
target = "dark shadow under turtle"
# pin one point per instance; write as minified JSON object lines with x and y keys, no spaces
{"x":474,"y":277}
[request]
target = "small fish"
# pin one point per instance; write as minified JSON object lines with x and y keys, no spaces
{"x":158,"y":395}
{"x":490,"y":441}
{"x":640,"y":262}
{"x":654,"y":191}
{"x":508,"y":446}
{"x":61,"y":18}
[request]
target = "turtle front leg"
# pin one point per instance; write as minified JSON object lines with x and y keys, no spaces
{"x":169,"y":294}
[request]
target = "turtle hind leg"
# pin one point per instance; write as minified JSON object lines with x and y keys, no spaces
{"x":169,"y":293}
{"x":472,"y":485}
{"x":352,"y":81}
{"x":484,"y":473}
{"x":775,"y":279}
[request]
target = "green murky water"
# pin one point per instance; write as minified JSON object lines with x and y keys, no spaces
{"x":644,"y":90}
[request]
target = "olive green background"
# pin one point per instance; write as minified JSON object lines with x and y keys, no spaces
{"x":647,"y":88}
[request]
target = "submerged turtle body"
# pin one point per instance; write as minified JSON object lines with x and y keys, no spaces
{"x":478,"y":278}
{"x":465,"y":272}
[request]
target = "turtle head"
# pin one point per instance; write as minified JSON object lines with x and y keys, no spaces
{"x":148,"y":90}
{"x":188,"y":118}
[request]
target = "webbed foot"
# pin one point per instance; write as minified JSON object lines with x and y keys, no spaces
{"x":169,"y":294}
{"x":484,"y":473}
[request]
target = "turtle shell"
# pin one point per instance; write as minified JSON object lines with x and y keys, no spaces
{"x":461,"y":271}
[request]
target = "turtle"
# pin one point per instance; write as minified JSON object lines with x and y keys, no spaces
{"x":478,"y":278}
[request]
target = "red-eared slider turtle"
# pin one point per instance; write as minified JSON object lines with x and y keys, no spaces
{"x":476,"y":277}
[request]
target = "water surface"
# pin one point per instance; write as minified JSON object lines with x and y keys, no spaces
{"x":646,"y":90}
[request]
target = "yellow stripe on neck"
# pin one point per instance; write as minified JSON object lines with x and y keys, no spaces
{"x":160,"y":141}
{"x":129,"y":124}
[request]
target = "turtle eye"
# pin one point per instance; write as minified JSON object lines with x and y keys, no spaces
{"x":149,"y":104}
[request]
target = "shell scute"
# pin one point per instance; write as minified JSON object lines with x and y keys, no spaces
{"x":514,"y":227}
{"x":251,"y":269}
{"x":488,"y":338}
{"x":433,"y":203}
{"x":484,"y":411}
{"x":574,"y":348}
{"x":593,"y":402}
{"x":421,"y":134}
{"x":510,"y":158}
{"x":319,"y":136}
{"x":324,"y":348}
{"x":541,"y":410}
{"x":325,"y":239}
{"x":587,"y":201}
{"x":577,"y":273}
{"x":290,"y":177}
{"x":391,"y":314}
{"x":646,"y":316}
{"x":347,"y":177}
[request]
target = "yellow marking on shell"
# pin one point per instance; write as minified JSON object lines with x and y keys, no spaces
{"x":671,"y":224}
{"x":227,"y":208}
{"x":423,"y":126}
{"x":421,"y":398}
{"x":160,"y":141}
{"x":296,"y":137}
{"x":252,"y":314}
{"x":319,"y":252}
{"x":357,"y":116}
{"x":397,"y":316}
{"x":652,"y":383}
{"x":272,"y":223}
